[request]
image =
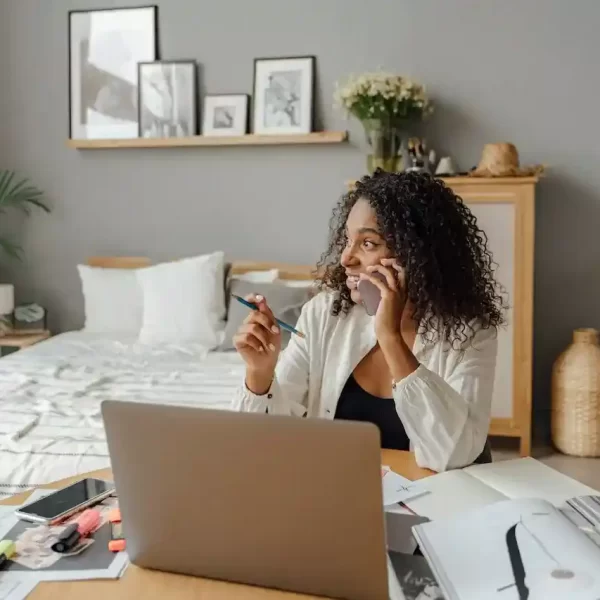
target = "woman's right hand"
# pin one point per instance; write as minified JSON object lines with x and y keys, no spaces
{"x":258,"y":342}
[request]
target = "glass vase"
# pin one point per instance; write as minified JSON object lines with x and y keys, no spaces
{"x":385,"y":139}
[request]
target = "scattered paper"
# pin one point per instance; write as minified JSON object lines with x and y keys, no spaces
{"x":397,"y":488}
{"x":5,"y":511}
{"x":34,"y":547}
{"x":35,"y":561}
{"x":15,"y":590}
{"x":399,"y":509}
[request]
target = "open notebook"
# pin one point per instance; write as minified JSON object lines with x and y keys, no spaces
{"x":453,"y":492}
{"x":523,"y":549}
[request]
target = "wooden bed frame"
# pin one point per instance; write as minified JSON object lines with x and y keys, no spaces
{"x":286,"y":271}
{"x":119,"y":262}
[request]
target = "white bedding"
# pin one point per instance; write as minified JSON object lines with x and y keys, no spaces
{"x":50,"y":395}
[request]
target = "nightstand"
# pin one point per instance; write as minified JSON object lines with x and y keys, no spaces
{"x":18,"y":341}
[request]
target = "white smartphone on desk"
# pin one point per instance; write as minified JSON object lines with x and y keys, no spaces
{"x":63,"y":503}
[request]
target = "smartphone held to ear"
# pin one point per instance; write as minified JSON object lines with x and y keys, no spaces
{"x":370,"y":294}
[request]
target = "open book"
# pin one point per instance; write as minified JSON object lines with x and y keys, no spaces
{"x":522,"y":549}
{"x":453,"y":492}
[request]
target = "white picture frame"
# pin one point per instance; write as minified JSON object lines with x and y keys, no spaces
{"x":284,"y":95}
{"x":105,"y":47}
{"x":168,"y":99}
{"x":225,"y":115}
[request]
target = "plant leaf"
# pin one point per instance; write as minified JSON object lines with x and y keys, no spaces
{"x":18,"y":186}
{"x":20,"y":194}
{"x":5,"y":180}
{"x":39,"y":204}
{"x":11,"y":249}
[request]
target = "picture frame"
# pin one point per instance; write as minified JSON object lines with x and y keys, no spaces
{"x":105,"y":47}
{"x":283,"y":95}
{"x":168,"y":99}
{"x":225,"y":115}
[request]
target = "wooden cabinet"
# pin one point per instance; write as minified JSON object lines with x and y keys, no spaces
{"x":505,"y":210}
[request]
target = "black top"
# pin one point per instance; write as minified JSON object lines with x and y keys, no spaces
{"x":355,"y":404}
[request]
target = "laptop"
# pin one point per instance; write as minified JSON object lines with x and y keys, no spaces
{"x":273,"y":501}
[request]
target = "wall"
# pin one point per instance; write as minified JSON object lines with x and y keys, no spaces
{"x":518,"y":70}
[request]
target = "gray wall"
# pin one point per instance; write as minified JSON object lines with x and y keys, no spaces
{"x":517,"y":70}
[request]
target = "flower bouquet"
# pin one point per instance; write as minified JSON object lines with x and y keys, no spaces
{"x":385,"y":104}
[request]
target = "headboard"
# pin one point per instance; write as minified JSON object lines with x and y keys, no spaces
{"x":286,"y":271}
{"x":119,"y":262}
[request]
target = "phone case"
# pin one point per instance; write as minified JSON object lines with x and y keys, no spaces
{"x":370,"y":294}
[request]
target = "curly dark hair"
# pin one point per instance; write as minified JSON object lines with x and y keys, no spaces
{"x":433,"y":234}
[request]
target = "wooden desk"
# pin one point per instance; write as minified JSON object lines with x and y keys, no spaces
{"x":155,"y":585}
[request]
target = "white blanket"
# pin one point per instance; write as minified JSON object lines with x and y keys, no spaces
{"x":50,"y":395}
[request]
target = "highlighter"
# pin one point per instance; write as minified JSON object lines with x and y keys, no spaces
{"x":88,"y":521}
{"x":117,"y":541}
{"x":7,"y":549}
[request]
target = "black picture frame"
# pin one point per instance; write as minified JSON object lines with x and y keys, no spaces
{"x":234,"y":94}
{"x":195,"y":110}
{"x":73,"y":13}
{"x":255,"y":102}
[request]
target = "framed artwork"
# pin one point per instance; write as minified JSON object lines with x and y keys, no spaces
{"x":225,"y":114}
{"x":168,"y":99}
{"x":105,"y":47}
{"x":284,"y":95}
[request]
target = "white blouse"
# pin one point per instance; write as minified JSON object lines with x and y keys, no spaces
{"x":445,"y":405}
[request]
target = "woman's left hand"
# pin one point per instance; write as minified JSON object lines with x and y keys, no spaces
{"x":393,"y":297}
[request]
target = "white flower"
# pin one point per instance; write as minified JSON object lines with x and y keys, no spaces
{"x":380,"y":91}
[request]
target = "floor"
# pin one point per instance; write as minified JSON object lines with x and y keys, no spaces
{"x":586,"y":470}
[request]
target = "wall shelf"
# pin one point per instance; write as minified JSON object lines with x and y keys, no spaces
{"x":319,"y":137}
{"x":483,"y":181}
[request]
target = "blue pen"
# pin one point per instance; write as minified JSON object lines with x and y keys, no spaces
{"x":280,"y":323}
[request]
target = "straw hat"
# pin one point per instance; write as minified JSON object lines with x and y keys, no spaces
{"x":502,"y":160}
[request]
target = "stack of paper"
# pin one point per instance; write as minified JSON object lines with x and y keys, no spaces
{"x":512,"y":550}
{"x":589,"y":508}
{"x":511,"y":530}
{"x":399,"y":489}
{"x":464,"y":490}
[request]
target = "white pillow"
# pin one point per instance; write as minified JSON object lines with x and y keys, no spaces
{"x":112,"y":300}
{"x":184,"y":301}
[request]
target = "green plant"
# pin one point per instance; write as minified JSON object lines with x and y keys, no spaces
{"x":19,"y":194}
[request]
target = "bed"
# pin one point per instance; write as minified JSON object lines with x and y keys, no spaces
{"x":50,"y":394}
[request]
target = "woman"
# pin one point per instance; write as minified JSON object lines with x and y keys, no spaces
{"x":422,"y":368}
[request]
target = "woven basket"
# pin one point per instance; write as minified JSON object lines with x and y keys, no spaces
{"x":576,"y":396}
